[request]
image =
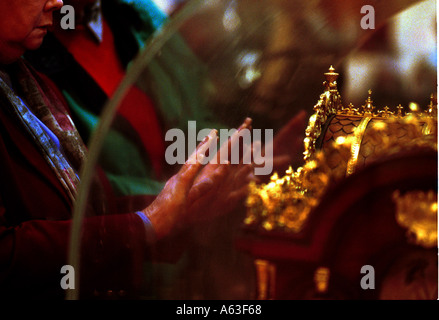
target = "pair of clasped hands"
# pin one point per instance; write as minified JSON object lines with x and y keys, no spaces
{"x":199,"y":193}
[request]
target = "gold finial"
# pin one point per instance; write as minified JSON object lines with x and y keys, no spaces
{"x":399,"y":113}
{"x":368,"y":108}
{"x":385,"y":113}
{"x":331,"y":76}
{"x":369,"y":96}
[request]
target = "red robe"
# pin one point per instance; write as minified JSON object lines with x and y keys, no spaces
{"x":35,"y":226}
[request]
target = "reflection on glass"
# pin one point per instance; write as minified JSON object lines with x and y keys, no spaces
{"x":216,"y":63}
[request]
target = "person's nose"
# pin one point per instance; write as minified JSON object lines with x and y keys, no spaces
{"x":53,"y":5}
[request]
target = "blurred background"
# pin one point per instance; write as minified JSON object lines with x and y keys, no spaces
{"x":397,"y":60}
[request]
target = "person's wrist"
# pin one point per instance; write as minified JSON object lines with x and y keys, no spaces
{"x":150,"y":233}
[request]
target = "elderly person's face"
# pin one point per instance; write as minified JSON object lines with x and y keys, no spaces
{"x":23,"y":25}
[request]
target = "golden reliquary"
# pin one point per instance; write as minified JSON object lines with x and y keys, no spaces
{"x":365,"y":197}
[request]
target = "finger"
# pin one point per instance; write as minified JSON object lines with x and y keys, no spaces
{"x":193,"y":165}
{"x":242,"y":173}
{"x":247,"y":151}
{"x":257,"y":152}
{"x":223,"y":169}
{"x":203,"y":194}
{"x":200,"y":151}
{"x":246,"y":124}
{"x":199,"y":189}
{"x":238,"y":195}
{"x":239,"y":135}
{"x":225,"y":150}
{"x":187,"y":175}
{"x":211,"y":182}
{"x":252,"y":178}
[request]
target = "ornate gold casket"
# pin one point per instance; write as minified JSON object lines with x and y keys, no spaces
{"x":364,"y":199}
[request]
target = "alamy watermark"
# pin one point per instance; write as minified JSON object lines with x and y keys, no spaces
{"x":247,"y":147}
{"x":68,"y":280}
{"x":368,"y":20}
{"x":68,"y":20}
{"x":368,"y":280}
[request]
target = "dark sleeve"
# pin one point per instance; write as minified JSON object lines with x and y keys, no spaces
{"x":33,"y":252}
{"x":35,"y":229}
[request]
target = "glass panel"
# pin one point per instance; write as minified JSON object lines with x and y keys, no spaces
{"x":211,"y":65}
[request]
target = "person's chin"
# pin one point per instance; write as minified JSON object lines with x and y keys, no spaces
{"x":34,"y":42}
{"x":34,"y":45}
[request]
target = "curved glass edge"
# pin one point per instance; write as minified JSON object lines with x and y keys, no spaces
{"x":87,"y":172}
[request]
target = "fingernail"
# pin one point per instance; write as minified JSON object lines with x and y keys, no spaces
{"x":205,"y":139}
{"x":211,"y":135}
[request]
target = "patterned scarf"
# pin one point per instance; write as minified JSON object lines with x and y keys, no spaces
{"x":44,"y":103}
